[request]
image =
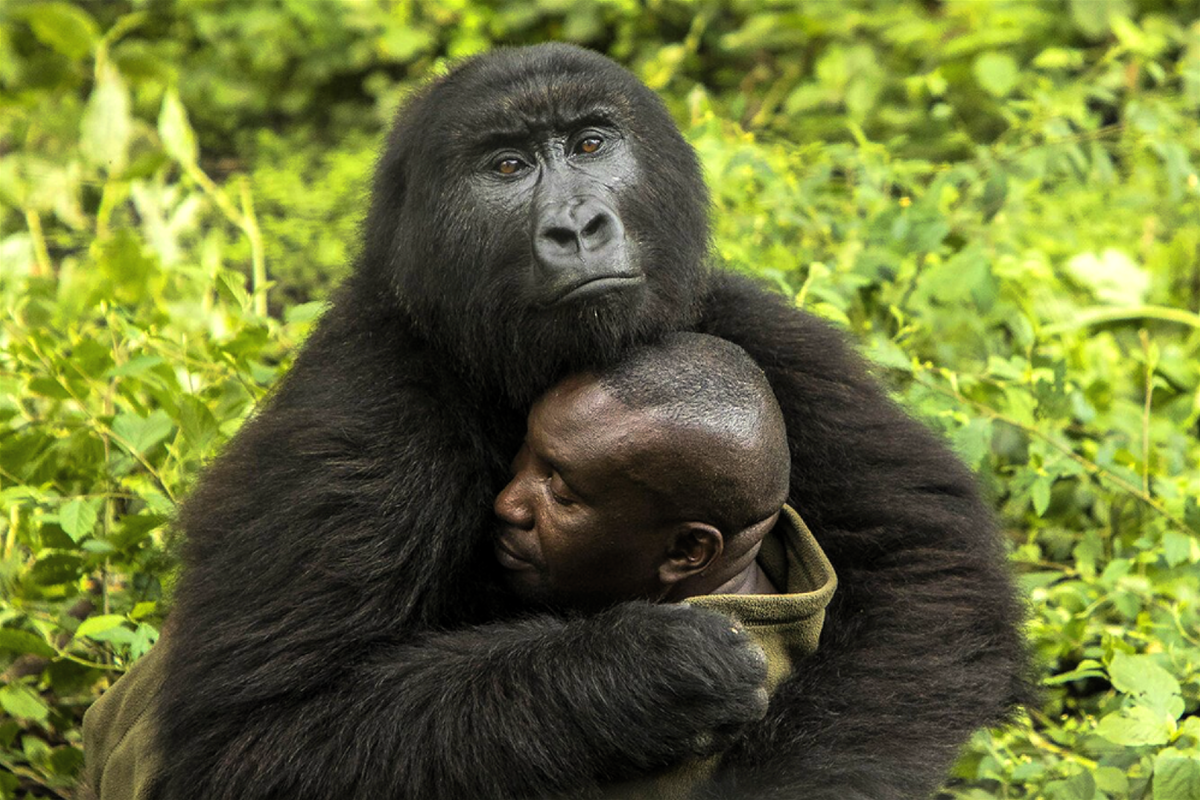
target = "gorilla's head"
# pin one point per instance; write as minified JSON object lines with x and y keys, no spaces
{"x":536,"y":210}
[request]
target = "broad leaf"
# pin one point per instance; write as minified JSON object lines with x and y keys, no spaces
{"x":19,"y":701}
{"x":99,"y":624}
{"x":107,"y":125}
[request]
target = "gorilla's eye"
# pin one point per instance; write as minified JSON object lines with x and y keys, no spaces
{"x":589,"y":144}
{"x":509,"y":166}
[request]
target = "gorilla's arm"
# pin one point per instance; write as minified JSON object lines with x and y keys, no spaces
{"x":531,"y":709}
{"x":328,"y":552}
{"x":920,"y":646}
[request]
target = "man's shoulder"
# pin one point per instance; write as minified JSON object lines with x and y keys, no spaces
{"x":120,"y":747}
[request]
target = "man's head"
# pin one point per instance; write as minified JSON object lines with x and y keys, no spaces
{"x":653,"y":479}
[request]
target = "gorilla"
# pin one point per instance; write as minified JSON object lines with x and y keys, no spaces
{"x":338,"y":630}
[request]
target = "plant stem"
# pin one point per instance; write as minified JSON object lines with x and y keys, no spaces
{"x":258,"y":274}
{"x":41,"y":255}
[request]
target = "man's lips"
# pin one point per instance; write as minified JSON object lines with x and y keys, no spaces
{"x":508,"y":558}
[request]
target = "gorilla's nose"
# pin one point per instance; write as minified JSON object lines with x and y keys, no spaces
{"x":580,"y":230}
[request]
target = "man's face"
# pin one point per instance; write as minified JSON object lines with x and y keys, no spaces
{"x":582,"y":522}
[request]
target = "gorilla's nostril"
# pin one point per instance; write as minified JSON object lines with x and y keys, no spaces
{"x":598,"y":224}
{"x":561,"y":237}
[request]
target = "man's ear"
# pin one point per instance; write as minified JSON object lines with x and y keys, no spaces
{"x":692,"y":548}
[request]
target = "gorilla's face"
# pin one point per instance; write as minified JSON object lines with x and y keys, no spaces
{"x":537,"y":212}
{"x":564,"y":187}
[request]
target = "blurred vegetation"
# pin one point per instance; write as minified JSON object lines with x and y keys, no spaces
{"x":998,"y":199}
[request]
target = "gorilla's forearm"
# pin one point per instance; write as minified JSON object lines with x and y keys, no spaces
{"x":542,"y":708}
{"x":921,"y":644}
{"x":535,"y":708}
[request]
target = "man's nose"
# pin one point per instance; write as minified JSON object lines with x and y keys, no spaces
{"x":510,"y":506}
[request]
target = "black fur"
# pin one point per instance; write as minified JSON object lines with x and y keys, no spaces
{"x":335,"y":634}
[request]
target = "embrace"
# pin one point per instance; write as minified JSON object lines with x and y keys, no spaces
{"x":379,"y":601}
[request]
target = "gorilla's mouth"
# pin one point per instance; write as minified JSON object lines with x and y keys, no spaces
{"x":597,"y":286}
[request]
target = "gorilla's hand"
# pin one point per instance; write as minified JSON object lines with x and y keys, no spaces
{"x":679,"y":681}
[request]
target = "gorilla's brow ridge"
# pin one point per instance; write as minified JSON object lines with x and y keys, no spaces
{"x":521,"y":127}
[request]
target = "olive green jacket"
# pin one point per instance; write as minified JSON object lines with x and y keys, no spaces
{"x":120,"y":756}
{"x":123,"y":761}
{"x":787,"y":626}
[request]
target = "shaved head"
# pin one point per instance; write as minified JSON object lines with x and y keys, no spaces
{"x":729,"y":458}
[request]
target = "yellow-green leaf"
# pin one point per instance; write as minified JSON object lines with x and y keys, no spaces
{"x":99,"y":624}
{"x":997,"y":73}
{"x":19,"y":701}
{"x":107,"y":125}
{"x":78,"y":516}
{"x":66,"y":28}
{"x":178,"y":138}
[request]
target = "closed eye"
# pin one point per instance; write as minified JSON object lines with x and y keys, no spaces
{"x":558,"y":491}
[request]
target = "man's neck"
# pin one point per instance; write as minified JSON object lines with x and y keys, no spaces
{"x":751,"y":580}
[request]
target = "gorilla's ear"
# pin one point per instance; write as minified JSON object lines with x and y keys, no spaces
{"x":693,"y":547}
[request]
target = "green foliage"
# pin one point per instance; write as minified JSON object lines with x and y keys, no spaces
{"x":998,"y":200}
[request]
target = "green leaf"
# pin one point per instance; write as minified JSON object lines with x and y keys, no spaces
{"x":1190,"y":726}
{"x":1088,"y":553}
{"x":1112,"y":781}
{"x":178,"y":138}
{"x":99,"y":624}
{"x":135,"y":366}
{"x":19,"y":701}
{"x":1177,"y":548}
{"x":64,"y":27}
{"x":49,"y":387}
{"x":1176,"y":776}
{"x":1112,"y":276}
{"x":36,"y":749}
{"x":231,"y":287}
{"x":1141,"y":676}
{"x":143,"y":639}
{"x":56,"y":568}
{"x":974,"y":441}
{"x":1135,"y":726}
{"x":305,"y":312}
{"x":1059,"y":58}
{"x":197,"y":424}
{"x":1094,"y":16}
{"x":107,"y":125}
{"x":133,"y":528}
{"x":78,"y":516}
{"x":997,"y":73}
{"x":66,"y":761}
{"x":401,"y":43}
{"x":142,"y":609}
{"x":1080,"y":786}
{"x":119,"y":635}
{"x":142,"y":433}
{"x":25,"y":642}
{"x":995,"y":192}
{"x":127,"y":270}
{"x":1039,"y":493}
